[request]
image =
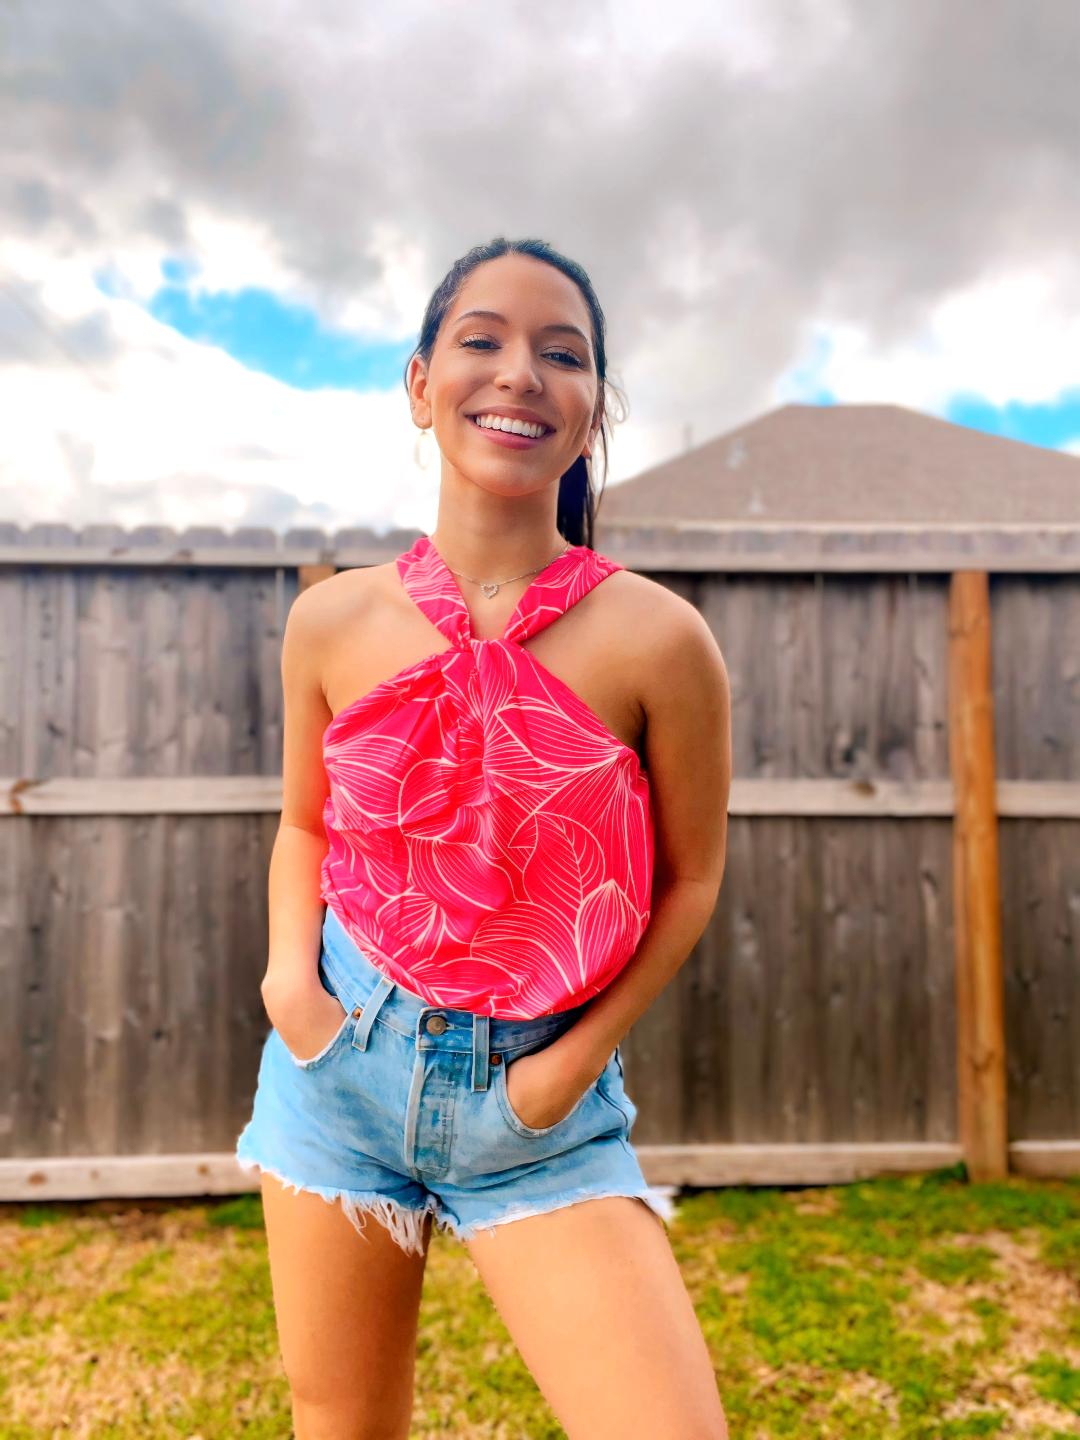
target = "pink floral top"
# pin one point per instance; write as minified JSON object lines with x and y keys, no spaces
{"x":490,"y":840}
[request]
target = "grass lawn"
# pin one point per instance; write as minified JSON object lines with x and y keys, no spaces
{"x":915,"y":1307}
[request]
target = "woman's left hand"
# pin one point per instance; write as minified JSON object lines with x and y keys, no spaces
{"x":542,"y":1089}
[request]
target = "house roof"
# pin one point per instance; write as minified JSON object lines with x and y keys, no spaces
{"x":853,"y":463}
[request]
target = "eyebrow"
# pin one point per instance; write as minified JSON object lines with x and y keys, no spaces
{"x":494,"y":315}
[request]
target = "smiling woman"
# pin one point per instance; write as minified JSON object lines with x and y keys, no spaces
{"x":560,"y":329}
{"x":481,"y":824}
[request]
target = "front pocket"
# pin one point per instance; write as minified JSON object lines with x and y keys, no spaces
{"x":321,"y":1056}
{"x":514,"y":1120}
{"x":326,"y":1051}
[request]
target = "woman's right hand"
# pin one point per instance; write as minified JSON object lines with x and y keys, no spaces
{"x":305,"y":1015}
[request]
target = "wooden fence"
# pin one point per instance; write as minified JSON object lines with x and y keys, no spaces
{"x":891,"y":978}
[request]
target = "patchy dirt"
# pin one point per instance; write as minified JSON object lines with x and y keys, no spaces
{"x":1036,"y":1300}
{"x":816,"y":1202}
{"x":1029,"y":1291}
{"x":808,"y":1385}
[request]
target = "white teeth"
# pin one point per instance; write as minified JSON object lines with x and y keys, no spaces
{"x":514,"y":427}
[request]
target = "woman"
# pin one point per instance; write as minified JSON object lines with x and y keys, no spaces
{"x":507,"y":783}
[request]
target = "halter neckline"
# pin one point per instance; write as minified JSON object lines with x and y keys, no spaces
{"x":430,"y":583}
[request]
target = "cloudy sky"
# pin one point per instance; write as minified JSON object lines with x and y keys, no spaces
{"x":222,"y":222}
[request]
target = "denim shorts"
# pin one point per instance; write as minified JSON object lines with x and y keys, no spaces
{"x":405,"y":1111}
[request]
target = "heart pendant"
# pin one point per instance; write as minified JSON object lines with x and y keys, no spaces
{"x":489,"y":590}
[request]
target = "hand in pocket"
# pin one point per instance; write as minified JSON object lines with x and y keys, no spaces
{"x":541,"y":1090}
{"x":307,"y":1021}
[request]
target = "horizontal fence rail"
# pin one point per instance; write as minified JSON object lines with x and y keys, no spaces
{"x":254,"y":794}
{"x":705,"y":1166}
{"x":641,"y":545}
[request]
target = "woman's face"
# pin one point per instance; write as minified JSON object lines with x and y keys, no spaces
{"x":523,"y":361}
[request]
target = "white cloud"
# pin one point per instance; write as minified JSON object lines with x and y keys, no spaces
{"x":190,"y":431}
{"x":1005,"y":337}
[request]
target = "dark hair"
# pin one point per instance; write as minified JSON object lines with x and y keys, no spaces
{"x":576,"y":512}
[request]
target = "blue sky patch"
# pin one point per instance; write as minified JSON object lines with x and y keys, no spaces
{"x":801,"y":384}
{"x":1053,"y":424}
{"x":275,"y":337}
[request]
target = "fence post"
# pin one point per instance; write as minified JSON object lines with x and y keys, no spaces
{"x":981,"y":1092}
{"x":312,"y":574}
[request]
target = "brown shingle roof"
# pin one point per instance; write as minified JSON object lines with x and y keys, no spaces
{"x":840,"y":463}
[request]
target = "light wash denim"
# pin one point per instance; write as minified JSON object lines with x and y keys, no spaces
{"x":405,"y":1111}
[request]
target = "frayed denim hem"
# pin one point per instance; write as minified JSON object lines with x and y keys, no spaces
{"x":405,"y":1224}
{"x":658,"y":1198}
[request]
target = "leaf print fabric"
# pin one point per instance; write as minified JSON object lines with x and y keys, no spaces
{"x":490,"y":840}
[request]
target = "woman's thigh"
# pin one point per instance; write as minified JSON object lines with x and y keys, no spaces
{"x":593,"y":1298}
{"x":347,"y":1308}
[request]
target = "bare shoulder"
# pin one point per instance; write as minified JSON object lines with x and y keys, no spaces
{"x":325,"y":604}
{"x":329,"y":618}
{"x":675,"y":655}
{"x":339,"y":605}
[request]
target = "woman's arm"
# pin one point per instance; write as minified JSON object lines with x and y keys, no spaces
{"x":687,"y":703}
{"x":296,"y":910}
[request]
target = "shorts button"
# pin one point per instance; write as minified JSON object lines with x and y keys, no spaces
{"x":496,"y":1059}
{"x":435,"y":1024}
{"x":358,"y":1012}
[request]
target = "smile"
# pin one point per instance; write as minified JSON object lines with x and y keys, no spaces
{"x":512,"y":439}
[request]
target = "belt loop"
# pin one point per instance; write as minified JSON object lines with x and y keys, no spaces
{"x":371,"y":1009}
{"x":481,"y":1030}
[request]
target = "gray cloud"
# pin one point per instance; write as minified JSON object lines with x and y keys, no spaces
{"x":29,"y":333}
{"x":873,"y":169}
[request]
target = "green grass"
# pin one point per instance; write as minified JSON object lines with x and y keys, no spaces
{"x":916,"y":1307}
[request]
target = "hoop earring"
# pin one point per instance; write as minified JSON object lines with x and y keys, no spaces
{"x":423,"y":449}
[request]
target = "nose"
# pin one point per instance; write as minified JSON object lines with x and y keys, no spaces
{"x":518,"y":370}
